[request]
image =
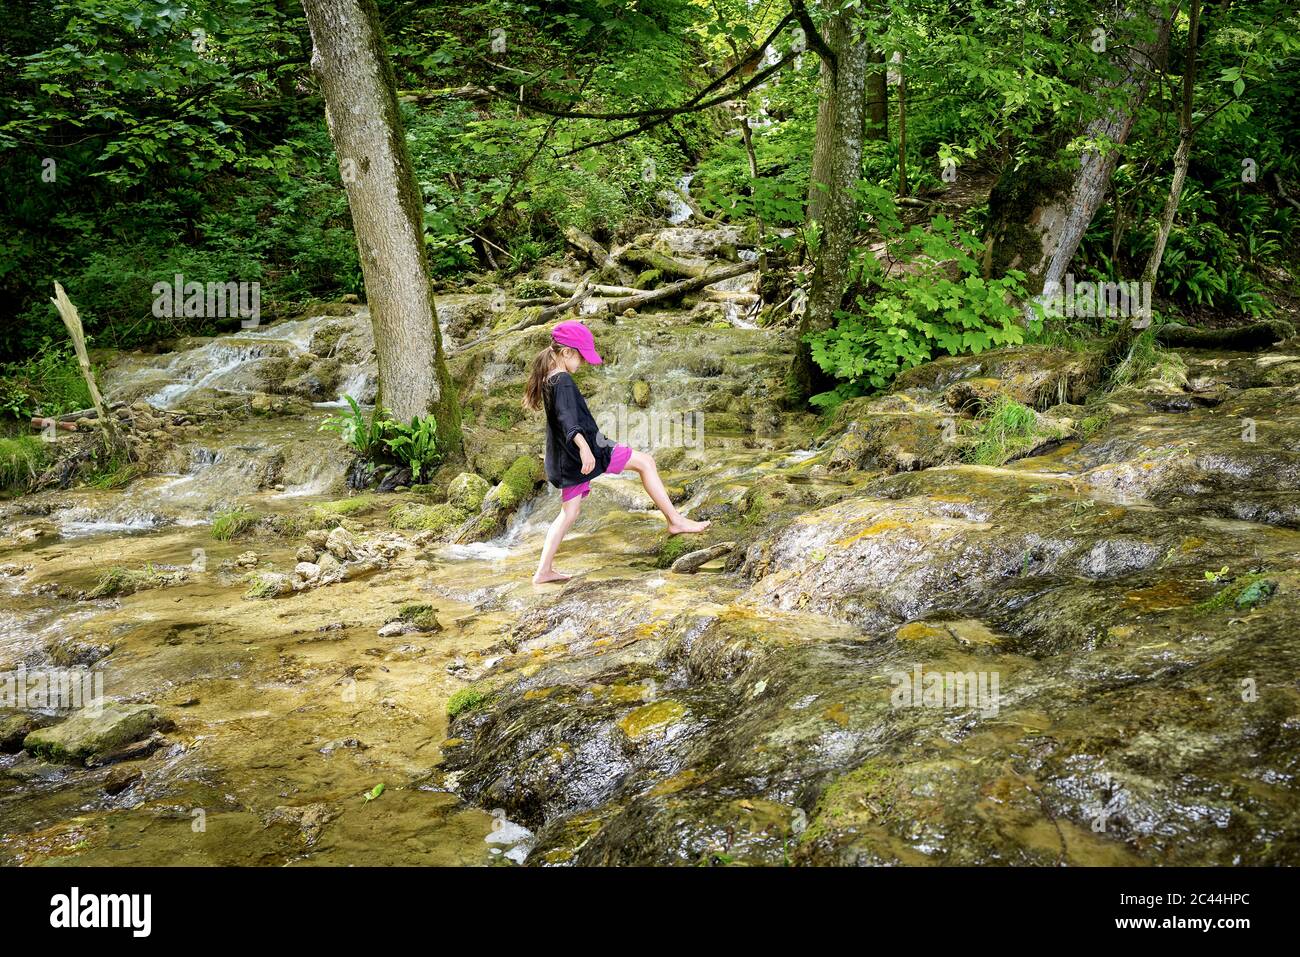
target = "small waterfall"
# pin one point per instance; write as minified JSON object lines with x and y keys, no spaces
{"x":678,"y":209}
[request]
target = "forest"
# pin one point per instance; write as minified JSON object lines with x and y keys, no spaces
{"x":969,"y":331}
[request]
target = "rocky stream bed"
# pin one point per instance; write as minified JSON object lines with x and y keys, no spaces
{"x":1116,"y":610}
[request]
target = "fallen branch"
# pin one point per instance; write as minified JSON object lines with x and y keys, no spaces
{"x":593,"y":250}
{"x":665,"y":265}
{"x":553,"y":312}
{"x":1255,"y":335}
{"x":71,"y":319}
{"x":677,"y":289}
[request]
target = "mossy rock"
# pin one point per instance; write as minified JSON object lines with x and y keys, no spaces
{"x":439,"y":518}
{"x":87,"y":733}
{"x":518,"y":482}
{"x":467,"y":491}
{"x":267,"y":585}
{"x":421,"y":616}
{"x":329,"y":514}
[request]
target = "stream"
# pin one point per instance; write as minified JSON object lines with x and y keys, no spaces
{"x":747,"y":713}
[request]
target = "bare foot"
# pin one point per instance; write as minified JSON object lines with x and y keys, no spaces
{"x":687,"y":527}
{"x":542,"y":578}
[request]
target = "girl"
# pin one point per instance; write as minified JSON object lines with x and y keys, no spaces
{"x":576,"y":452}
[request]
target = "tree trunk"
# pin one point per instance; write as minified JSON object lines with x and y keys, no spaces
{"x":877,"y":98}
{"x":351,"y":63}
{"x":841,"y":147}
{"x":1040,"y":213}
{"x":1183,"y":155}
{"x":902,"y":130}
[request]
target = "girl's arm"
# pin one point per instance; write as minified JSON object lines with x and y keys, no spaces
{"x":584,"y":450}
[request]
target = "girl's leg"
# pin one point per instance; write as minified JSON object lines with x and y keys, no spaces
{"x":645,"y":467}
{"x":554,"y":535}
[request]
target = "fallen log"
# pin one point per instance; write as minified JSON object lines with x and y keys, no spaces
{"x":1255,"y":335}
{"x":597,"y":289}
{"x":691,"y":562}
{"x":43,"y":423}
{"x":678,"y":289}
{"x":643,"y":259}
{"x":593,"y":250}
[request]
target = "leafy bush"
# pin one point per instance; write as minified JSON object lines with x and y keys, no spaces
{"x":49,"y":383}
{"x":378,"y":438}
{"x":941,"y":303}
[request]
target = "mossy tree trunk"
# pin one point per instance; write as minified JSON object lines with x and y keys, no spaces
{"x":351,"y":63}
{"x":838,"y":153}
{"x":1040,"y":211}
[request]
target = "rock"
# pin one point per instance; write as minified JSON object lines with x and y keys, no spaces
{"x":85,"y":734}
{"x":394,"y":628}
{"x":121,"y":778}
{"x":340,"y":544}
{"x":268,"y":585}
{"x":128,"y":752}
{"x":690,"y":563}
{"x":15,"y":726}
{"x":318,"y":537}
{"x":467,"y":491}
{"x":329,"y":566}
{"x":307,"y":571}
{"x":78,"y":652}
{"x":309,"y":819}
{"x":305,"y":553}
{"x":641,"y":393}
{"x":12,"y":569}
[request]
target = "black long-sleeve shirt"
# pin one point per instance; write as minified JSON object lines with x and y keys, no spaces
{"x":567,"y":415}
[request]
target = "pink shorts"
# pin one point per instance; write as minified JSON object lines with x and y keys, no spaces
{"x":618,"y":460}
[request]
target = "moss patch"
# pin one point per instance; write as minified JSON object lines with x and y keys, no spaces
{"x":466,"y":700}
{"x":126,"y":581}
{"x":330,"y":514}
{"x":426,"y":518}
{"x":233,"y":524}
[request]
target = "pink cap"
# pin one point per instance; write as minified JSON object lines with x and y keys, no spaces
{"x":577,"y":336}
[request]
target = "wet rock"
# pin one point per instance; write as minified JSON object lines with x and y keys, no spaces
{"x":16,"y":725}
{"x":86,"y":733}
{"x":309,"y":819}
{"x":467,"y":491}
{"x":690,"y":563}
{"x":78,"y":652}
{"x":121,"y":778}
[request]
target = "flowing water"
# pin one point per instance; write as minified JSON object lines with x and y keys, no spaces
{"x":642,"y":716}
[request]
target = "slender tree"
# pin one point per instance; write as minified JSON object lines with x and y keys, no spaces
{"x":1183,"y":154}
{"x":1039,"y":219}
{"x":837,"y":165}
{"x":350,"y":60}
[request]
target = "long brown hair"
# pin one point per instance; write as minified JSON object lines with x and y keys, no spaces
{"x":541,"y":367}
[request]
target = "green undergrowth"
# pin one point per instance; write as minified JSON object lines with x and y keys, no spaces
{"x":21,"y":460}
{"x":1009,"y":431}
